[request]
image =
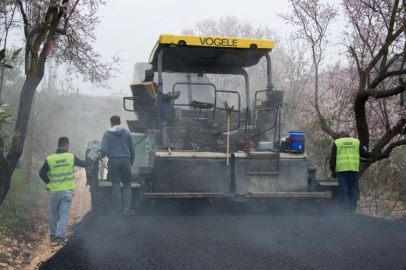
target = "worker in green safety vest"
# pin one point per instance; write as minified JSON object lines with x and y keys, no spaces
{"x":59,"y":176}
{"x":345,"y":159}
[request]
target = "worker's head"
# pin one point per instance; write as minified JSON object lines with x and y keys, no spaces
{"x":344,"y":131}
{"x":149,"y":75}
{"x":115,"y":120}
{"x":63,"y":143}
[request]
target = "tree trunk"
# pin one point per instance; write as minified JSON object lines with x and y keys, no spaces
{"x":28,"y":149}
{"x":2,"y":144}
{"x":7,"y":165}
{"x":360,"y":112}
{"x":4,"y":177}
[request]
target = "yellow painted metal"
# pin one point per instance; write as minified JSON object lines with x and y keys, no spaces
{"x":222,"y":42}
{"x":145,"y":86}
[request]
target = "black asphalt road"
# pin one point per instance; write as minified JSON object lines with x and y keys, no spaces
{"x":234,"y":241}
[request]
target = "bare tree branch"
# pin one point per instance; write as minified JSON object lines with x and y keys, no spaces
{"x":386,"y":75}
{"x":390,"y":39}
{"x":398,"y":129}
{"x":377,"y":94}
{"x":390,"y":148}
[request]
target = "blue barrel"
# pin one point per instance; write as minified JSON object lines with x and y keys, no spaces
{"x":296,"y":141}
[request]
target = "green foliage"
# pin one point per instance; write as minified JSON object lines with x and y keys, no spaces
{"x":20,"y":202}
{"x":3,"y":256}
{"x":4,"y":62}
{"x":10,"y":95}
{"x":5,"y":118}
{"x":5,"y":115}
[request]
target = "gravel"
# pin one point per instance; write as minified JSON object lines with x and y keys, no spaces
{"x":234,"y":241}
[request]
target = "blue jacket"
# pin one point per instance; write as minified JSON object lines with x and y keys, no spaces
{"x":117,"y":142}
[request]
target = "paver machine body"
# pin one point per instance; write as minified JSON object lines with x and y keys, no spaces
{"x":195,"y":140}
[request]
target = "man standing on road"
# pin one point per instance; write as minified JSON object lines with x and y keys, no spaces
{"x":344,"y":163}
{"x":59,"y":176}
{"x":117,"y":145}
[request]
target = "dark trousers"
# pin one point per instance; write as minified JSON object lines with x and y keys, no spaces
{"x":120,"y":171}
{"x":348,"y":190}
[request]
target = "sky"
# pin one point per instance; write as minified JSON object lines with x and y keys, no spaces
{"x":131,"y":28}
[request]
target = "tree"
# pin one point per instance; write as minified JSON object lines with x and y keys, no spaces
{"x":63,"y":30}
{"x":295,"y":73}
{"x":314,"y":19}
{"x":376,"y":45}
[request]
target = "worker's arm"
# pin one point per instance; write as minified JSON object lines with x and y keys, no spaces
{"x":81,"y":163}
{"x":43,"y":173}
{"x":104,"y":147}
{"x":333,"y":157}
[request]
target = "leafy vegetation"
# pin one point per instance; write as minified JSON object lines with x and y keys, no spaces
{"x":23,"y":200}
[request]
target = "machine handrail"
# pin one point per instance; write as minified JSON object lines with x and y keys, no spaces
{"x":226,"y":91}
{"x":134,"y":105}
{"x":188,"y":105}
{"x":277,"y":108}
{"x":189,"y":83}
{"x":262,"y":91}
{"x":221,"y":109}
{"x":125,"y":108}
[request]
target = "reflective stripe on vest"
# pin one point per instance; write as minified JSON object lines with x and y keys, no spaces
{"x":348,"y":157}
{"x":61,"y":172}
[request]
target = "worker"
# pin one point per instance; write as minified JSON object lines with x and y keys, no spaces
{"x":344,"y":164}
{"x":164,"y":101}
{"x":117,"y":145}
{"x":59,"y":176}
{"x":149,"y":77}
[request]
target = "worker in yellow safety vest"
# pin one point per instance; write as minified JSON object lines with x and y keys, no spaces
{"x":345,"y":159}
{"x":59,"y":176}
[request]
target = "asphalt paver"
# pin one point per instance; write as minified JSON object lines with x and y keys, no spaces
{"x":234,"y":241}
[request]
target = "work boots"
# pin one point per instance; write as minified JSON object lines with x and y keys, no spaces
{"x":116,"y":213}
{"x":55,"y":241}
{"x":125,"y":212}
{"x":128,"y":212}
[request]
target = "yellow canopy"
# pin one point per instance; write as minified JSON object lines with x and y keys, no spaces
{"x":205,"y":54}
{"x":224,"y":42}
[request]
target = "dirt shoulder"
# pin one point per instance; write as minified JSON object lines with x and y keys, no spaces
{"x":81,"y":205}
{"x":26,"y":249}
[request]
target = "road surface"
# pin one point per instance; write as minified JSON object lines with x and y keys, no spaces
{"x":234,"y":241}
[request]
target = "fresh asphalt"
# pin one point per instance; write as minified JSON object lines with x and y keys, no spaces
{"x":196,"y":240}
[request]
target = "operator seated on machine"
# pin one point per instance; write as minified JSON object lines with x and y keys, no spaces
{"x":165,"y":101}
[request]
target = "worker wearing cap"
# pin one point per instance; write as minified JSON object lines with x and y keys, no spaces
{"x":59,"y":176}
{"x":344,"y":164}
